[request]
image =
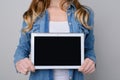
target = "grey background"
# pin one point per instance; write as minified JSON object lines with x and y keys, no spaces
{"x":107,"y":45}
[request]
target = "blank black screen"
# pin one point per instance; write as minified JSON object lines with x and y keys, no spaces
{"x":57,"y":51}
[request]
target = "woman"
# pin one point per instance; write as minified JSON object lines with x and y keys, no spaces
{"x":43,"y":16}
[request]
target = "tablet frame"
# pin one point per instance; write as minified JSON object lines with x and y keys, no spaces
{"x":57,"y":34}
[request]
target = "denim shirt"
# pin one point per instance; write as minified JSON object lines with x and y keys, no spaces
{"x":41,"y":25}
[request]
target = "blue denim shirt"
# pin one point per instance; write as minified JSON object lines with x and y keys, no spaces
{"x":41,"y":25}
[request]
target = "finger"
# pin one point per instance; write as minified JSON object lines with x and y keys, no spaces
{"x":23,"y":70}
{"x":26,"y":65}
{"x":83,"y":65}
{"x":92,"y":69}
{"x":27,"y":61}
{"x":18,"y":68}
{"x":21,"y":66}
{"x":31,"y":66}
{"x":86,"y":69}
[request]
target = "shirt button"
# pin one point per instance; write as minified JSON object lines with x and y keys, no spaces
{"x":69,"y":23}
{"x":68,"y":14}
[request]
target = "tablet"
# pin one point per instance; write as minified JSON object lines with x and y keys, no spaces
{"x":57,"y":50}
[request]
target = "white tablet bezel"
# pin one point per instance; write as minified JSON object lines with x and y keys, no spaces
{"x":57,"y":34}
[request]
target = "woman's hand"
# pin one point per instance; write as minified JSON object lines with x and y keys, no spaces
{"x":87,"y":67}
{"x":24,"y":66}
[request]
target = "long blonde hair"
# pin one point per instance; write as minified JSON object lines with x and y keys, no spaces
{"x":37,"y":7}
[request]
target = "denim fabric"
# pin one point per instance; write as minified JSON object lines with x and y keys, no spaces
{"x":41,"y":25}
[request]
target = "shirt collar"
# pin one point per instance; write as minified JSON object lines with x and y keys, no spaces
{"x":71,"y":7}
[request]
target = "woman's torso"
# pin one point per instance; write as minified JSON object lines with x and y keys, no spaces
{"x":41,"y":25}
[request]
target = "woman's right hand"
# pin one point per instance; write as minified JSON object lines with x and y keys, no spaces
{"x":24,"y":66}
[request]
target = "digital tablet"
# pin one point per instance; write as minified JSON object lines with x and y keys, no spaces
{"x":57,"y":50}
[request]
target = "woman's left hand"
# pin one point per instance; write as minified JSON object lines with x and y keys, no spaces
{"x":88,"y":66}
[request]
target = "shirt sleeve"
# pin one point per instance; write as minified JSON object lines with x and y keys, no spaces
{"x":23,"y":48}
{"x":89,"y":39}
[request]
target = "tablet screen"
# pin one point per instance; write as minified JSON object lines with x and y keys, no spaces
{"x":62,"y":51}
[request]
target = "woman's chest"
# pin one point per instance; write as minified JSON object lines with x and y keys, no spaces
{"x":56,"y":14}
{"x":42,"y":24}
